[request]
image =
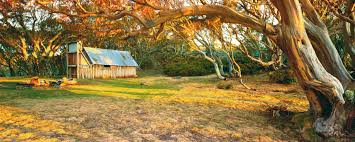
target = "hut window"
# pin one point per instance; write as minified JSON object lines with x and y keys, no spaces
{"x":107,"y":66}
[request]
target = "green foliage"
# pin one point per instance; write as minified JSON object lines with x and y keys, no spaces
{"x":157,"y":53}
{"x":247,"y":66}
{"x":190,"y":66}
{"x":146,"y":62}
{"x":284,"y":76}
{"x":338,"y":40}
{"x":250,"y":68}
{"x":4,"y":72}
{"x":350,"y":96}
{"x":225,"y":85}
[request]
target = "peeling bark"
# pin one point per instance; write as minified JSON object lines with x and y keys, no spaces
{"x":321,"y":87}
{"x":326,"y":51}
{"x":318,"y":68}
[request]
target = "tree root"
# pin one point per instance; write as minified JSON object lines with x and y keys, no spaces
{"x":324,"y":128}
{"x":329,"y":127}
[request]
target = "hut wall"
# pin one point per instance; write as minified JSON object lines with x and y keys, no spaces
{"x":72,"y":72}
{"x":83,"y":61}
{"x":71,"y":58}
{"x":99,"y":71}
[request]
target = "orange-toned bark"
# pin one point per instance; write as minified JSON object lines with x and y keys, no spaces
{"x":323,"y":90}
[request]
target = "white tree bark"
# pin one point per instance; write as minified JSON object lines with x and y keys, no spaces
{"x":323,"y":90}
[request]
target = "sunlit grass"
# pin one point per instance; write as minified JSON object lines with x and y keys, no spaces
{"x":17,"y":125}
{"x":188,"y":90}
{"x":166,"y":89}
{"x":232,"y":114}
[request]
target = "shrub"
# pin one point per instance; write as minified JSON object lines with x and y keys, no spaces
{"x":247,"y":66}
{"x":190,"y":66}
{"x":284,"y":76}
{"x":250,"y":68}
{"x":350,"y":96}
{"x":2,"y":72}
{"x":225,"y":85}
{"x":146,"y":63}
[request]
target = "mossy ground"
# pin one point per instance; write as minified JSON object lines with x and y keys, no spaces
{"x":151,"y":107}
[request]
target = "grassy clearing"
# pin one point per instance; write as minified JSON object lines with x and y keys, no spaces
{"x":151,"y":107}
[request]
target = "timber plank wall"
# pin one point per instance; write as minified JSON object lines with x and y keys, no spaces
{"x":100,"y":71}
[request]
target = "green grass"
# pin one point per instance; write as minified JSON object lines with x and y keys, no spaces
{"x":149,"y":107}
{"x":200,"y":90}
{"x":10,"y":92}
{"x":130,"y":83}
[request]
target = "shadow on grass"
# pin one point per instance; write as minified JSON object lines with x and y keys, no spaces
{"x":131,"y":84}
{"x":20,"y":124}
{"x":133,"y":94}
{"x":9,"y":92}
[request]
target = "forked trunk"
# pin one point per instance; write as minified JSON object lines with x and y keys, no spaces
{"x":215,"y":65}
{"x":218,"y":70}
{"x":323,"y":90}
{"x":327,"y":53}
{"x":323,"y":45}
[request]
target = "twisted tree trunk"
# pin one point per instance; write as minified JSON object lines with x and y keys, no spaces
{"x":327,"y":53}
{"x":215,"y":65}
{"x":321,"y":74}
{"x":323,"y":45}
{"x":323,"y":90}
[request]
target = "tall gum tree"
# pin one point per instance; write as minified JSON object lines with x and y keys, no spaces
{"x":323,"y":90}
{"x":33,"y":33}
{"x":318,"y":66}
{"x":326,"y":50}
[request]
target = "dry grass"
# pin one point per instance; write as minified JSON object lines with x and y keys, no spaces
{"x":150,"y":108}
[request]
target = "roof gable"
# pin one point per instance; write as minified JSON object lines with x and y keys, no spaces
{"x":110,"y":57}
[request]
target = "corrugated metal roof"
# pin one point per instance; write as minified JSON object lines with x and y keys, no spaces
{"x":110,"y":57}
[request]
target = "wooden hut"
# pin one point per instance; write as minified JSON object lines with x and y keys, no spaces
{"x":88,"y":62}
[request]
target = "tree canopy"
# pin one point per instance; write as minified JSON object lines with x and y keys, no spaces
{"x":263,"y":31}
